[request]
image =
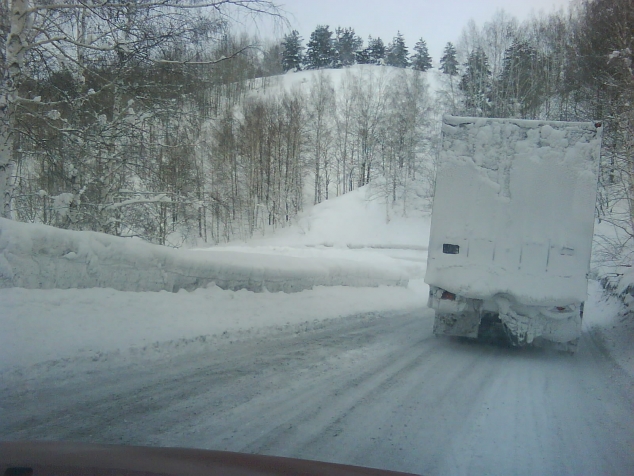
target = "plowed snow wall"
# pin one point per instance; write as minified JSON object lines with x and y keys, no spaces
{"x":39,"y":256}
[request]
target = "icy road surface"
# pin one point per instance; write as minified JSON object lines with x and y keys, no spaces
{"x":370,"y":390}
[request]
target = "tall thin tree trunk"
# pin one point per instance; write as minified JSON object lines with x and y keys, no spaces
{"x":16,"y":43}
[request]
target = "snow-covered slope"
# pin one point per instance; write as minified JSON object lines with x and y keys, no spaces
{"x":303,"y":79}
{"x":358,"y":219}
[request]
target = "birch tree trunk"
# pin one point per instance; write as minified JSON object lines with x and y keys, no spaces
{"x":15,"y":50}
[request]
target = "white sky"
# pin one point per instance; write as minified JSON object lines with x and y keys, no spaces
{"x":436,"y":21}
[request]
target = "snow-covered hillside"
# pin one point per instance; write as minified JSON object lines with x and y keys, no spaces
{"x":302,"y":79}
{"x":358,"y":219}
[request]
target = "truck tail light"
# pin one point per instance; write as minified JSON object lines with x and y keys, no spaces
{"x":448,"y":296}
{"x":568,"y":308}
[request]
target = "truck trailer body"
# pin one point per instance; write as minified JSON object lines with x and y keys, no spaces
{"x":512,"y":227}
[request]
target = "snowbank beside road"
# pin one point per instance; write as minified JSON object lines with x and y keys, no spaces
{"x":63,"y":325}
{"x":609,"y":316}
{"x":39,"y":256}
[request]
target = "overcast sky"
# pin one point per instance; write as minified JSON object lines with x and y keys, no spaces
{"x":436,"y":21}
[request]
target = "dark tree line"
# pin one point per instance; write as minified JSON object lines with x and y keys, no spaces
{"x":343,"y":47}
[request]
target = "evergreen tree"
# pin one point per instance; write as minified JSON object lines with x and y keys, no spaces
{"x":421,"y":61}
{"x":363,"y":56}
{"x":292,"y":56}
{"x":521,"y":83}
{"x":271,"y":62}
{"x":448,"y":62}
{"x":476,"y":83}
{"x":347,"y":44}
{"x":321,"y":51}
{"x":397,"y":54}
{"x":376,"y":50}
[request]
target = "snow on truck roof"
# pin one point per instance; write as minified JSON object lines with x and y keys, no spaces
{"x":515,"y":199}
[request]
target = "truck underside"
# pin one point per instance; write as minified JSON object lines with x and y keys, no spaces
{"x":502,"y":317}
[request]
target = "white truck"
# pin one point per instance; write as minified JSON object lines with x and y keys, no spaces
{"x":512,"y":227}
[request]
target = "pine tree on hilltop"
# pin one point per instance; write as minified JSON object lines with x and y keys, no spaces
{"x":320,"y":52}
{"x":373,"y":54}
{"x":448,"y":62}
{"x":476,"y":83}
{"x":421,"y":61}
{"x":347,"y":44}
{"x":292,"y":56}
{"x":377,"y":51}
{"x":363,"y":56}
{"x":397,"y":54}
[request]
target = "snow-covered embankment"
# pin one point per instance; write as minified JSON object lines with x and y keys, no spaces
{"x":44,"y":257}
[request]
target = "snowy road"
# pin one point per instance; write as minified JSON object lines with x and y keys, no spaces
{"x":370,"y":390}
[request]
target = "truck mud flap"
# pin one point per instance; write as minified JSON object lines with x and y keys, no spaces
{"x":464,"y":324}
{"x":564,"y":347}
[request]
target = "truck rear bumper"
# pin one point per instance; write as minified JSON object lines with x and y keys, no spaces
{"x":522,"y":324}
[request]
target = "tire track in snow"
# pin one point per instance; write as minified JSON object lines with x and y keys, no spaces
{"x":334,"y":405}
{"x":377,"y":392}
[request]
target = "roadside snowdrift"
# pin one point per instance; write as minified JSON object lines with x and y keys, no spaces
{"x":39,"y":256}
{"x":612,"y":324}
{"x":55,"y":329}
{"x":68,"y":326}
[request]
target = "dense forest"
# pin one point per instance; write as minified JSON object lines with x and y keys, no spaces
{"x":155,"y":120}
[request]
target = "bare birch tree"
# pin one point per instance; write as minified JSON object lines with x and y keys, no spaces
{"x":104,"y":41}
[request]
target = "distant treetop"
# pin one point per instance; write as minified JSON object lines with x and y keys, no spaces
{"x":397,"y":54}
{"x":344,"y":47}
{"x":321,"y":49}
{"x":292,"y":54}
{"x":448,"y":62}
{"x":421,"y":61}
